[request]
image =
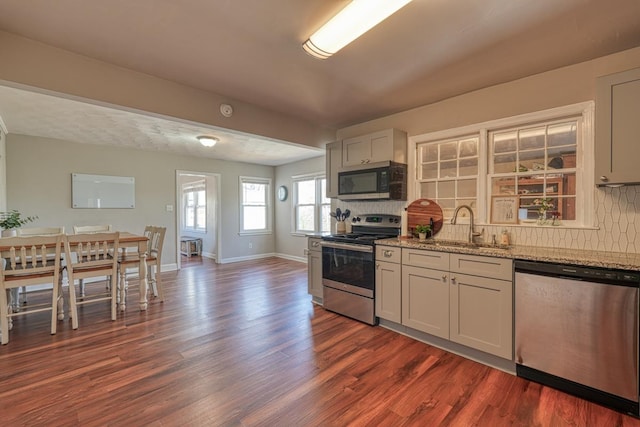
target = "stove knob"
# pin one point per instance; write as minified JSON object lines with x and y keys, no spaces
{"x":356,"y":219}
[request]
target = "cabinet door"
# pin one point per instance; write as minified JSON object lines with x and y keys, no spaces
{"x":381,"y":146}
{"x":425,"y":300}
{"x":356,"y":151}
{"x":388,"y":291}
{"x":617,"y":128}
{"x":482,"y":314}
{"x":314,"y":272}
{"x":333,"y":165}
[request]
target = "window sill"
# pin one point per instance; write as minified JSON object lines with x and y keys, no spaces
{"x":254,"y":233}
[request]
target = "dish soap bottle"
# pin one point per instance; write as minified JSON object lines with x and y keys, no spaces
{"x":504,"y":238}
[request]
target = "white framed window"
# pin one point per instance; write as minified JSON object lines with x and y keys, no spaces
{"x":311,"y":206}
{"x":448,"y":172}
{"x":535,"y":165}
{"x":255,"y":205}
{"x":194,"y":202}
{"x":522,"y":161}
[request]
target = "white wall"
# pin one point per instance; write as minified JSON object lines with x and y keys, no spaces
{"x":287,"y":243}
{"x":39,"y":183}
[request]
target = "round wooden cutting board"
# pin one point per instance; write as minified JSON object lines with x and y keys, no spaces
{"x":422,"y":211}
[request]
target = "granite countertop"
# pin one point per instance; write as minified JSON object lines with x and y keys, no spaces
{"x":618,"y":260}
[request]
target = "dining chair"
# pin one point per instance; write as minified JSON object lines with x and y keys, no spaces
{"x":91,"y":255}
{"x":86,"y":229}
{"x":30,"y":261}
{"x":20,"y":295}
{"x":153,"y":259}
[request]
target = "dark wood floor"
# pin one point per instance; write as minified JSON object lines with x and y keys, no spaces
{"x":241,"y":344}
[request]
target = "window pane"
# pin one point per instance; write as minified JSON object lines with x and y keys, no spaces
{"x":306,"y":220}
{"x":562,"y":134}
{"x":448,"y":169}
{"x":255,"y":218}
{"x":448,"y":151}
{"x":201,"y":219}
{"x":504,"y":163}
{"x":429,"y":170}
{"x":468,"y":167}
{"x":428,"y":190}
{"x":503,"y":187}
{"x":254,"y":193}
{"x":467,"y":188}
{"x":307,"y":192}
{"x":468,"y":148}
{"x":447,"y":189}
{"x":505,"y":142}
{"x":531,"y":138}
{"x":532,"y":160}
{"x":430,"y":153}
{"x":190,"y":218}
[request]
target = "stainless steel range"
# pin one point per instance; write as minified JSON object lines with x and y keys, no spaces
{"x":348,"y":266}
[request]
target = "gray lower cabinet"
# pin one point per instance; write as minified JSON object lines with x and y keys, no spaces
{"x":425,"y":300}
{"x":481,"y":314}
{"x":388,"y":283}
{"x":466,"y":299}
{"x":314,"y":268}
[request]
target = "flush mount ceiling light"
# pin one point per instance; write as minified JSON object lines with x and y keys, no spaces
{"x":208,"y":141}
{"x":350,"y":23}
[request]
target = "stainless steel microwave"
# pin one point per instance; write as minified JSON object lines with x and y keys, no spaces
{"x":376,"y":181}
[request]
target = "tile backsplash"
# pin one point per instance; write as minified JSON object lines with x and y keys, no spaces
{"x":617,"y":217}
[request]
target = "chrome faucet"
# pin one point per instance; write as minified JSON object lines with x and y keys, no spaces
{"x":472,"y":233}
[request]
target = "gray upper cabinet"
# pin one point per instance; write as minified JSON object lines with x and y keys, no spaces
{"x":385,"y":145}
{"x":617,"y":144}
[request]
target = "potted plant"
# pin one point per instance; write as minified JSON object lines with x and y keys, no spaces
{"x":11,"y":220}
{"x":422,"y":231}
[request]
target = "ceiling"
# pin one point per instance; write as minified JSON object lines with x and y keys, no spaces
{"x":251,"y":51}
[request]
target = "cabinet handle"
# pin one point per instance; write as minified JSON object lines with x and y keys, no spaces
{"x":377,"y":266}
{"x":444,"y":277}
{"x":387,"y":253}
{"x":315,"y":244}
{"x":453,"y":280}
{"x":604,"y":178}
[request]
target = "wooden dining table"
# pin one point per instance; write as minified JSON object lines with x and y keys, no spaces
{"x":139,"y":242}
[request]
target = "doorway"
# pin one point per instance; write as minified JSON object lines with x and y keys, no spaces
{"x":197,"y":215}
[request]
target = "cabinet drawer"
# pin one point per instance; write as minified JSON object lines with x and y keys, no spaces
{"x":314,"y":244}
{"x":388,"y":254}
{"x":428,"y":259}
{"x":497,"y":268}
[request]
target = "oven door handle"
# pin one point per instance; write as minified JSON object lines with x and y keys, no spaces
{"x":347,"y":246}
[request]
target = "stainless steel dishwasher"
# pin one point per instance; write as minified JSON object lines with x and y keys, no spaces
{"x":576,"y":329}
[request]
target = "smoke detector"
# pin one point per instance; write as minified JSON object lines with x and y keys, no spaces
{"x":226,"y":110}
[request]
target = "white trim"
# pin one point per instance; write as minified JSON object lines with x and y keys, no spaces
{"x":246,"y":258}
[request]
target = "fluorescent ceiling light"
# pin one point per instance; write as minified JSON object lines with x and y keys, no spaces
{"x":208,"y":141}
{"x":354,"y":20}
